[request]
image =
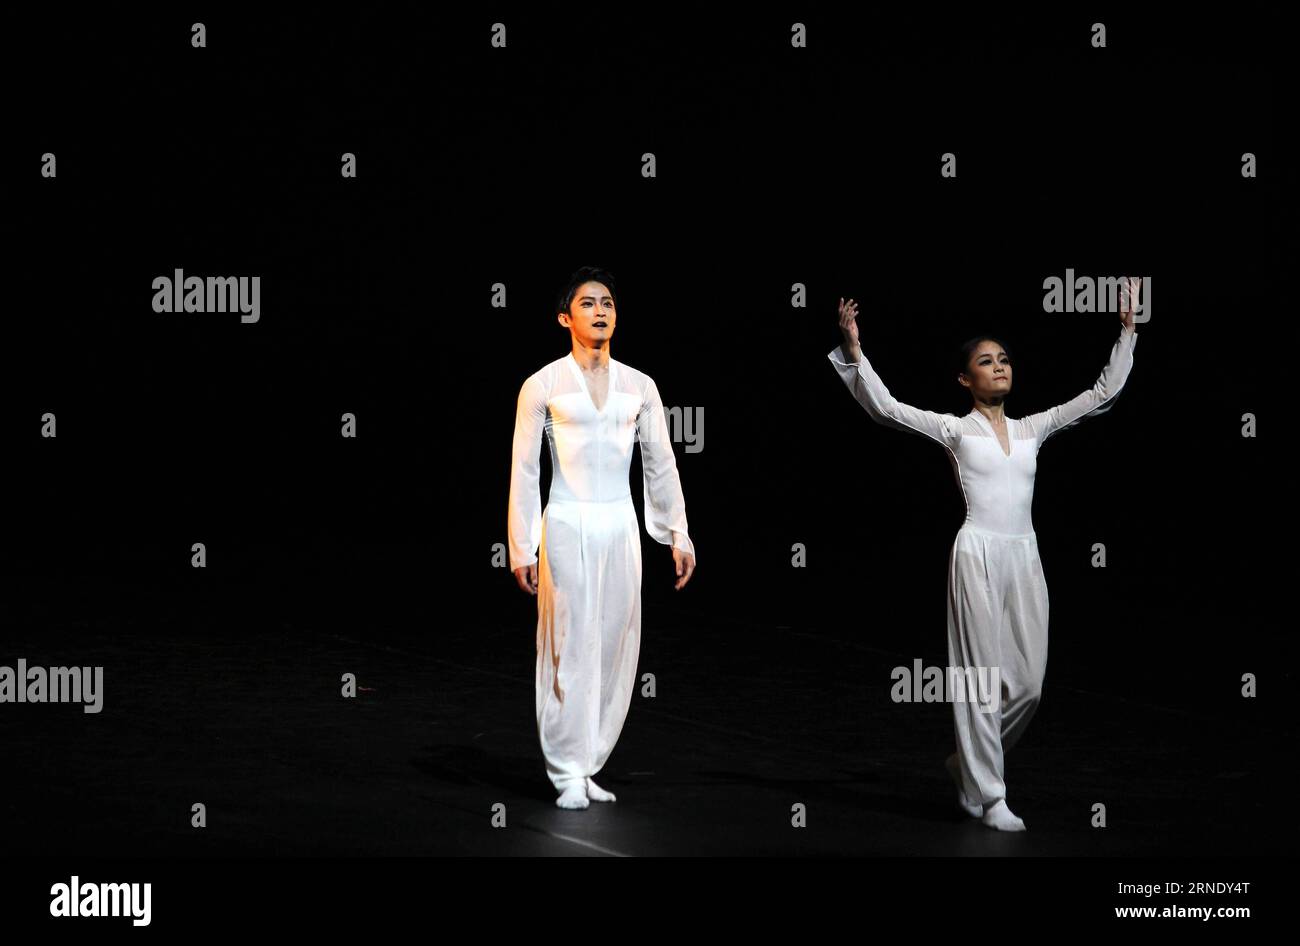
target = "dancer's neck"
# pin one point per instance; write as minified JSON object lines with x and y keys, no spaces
{"x":591,"y":359}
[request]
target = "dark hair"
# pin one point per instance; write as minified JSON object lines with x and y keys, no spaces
{"x":585,"y":274}
{"x":968,"y":348}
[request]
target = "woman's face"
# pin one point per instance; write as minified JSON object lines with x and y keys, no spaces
{"x":988,"y":373}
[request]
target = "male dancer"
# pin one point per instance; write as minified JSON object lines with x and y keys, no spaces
{"x":592,"y":409}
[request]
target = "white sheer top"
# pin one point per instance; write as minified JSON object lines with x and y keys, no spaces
{"x":998,"y":486}
{"x":591,"y":452}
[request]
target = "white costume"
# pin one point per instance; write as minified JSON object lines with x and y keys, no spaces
{"x":997,"y":594}
{"x":589,"y":576}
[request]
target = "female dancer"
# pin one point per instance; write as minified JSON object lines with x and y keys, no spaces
{"x":997,"y":594}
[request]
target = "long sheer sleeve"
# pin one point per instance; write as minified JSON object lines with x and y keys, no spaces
{"x":525,"y":513}
{"x":1096,"y":400}
{"x":665,"y":507}
{"x":861,"y":379}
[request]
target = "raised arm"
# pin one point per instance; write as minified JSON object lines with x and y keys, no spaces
{"x":1101,"y":396}
{"x":665,"y":507}
{"x":524,"y":526}
{"x":861,"y":379}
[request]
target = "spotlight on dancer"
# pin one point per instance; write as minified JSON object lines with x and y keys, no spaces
{"x":997,"y":593}
{"x":581,"y":556}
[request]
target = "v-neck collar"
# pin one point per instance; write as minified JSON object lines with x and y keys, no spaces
{"x":582,"y":380}
{"x":1011,"y":441}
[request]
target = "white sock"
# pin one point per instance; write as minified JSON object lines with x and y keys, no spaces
{"x":954,"y":769}
{"x":596,"y":793}
{"x":999,"y":816}
{"x":574,"y":796}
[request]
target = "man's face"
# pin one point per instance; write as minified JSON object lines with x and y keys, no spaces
{"x":591,"y":315}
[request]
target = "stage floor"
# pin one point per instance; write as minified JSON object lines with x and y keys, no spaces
{"x":247,"y":718}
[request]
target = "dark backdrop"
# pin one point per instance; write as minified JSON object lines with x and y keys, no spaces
{"x":775,"y":166}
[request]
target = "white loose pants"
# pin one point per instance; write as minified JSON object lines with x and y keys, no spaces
{"x":588,"y":632}
{"x":997,"y":617}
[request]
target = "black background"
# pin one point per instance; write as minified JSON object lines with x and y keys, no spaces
{"x":775,"y":166}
